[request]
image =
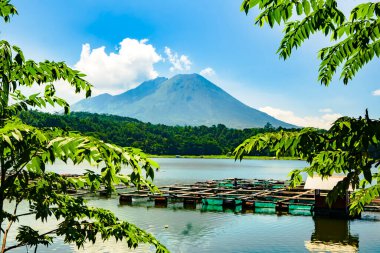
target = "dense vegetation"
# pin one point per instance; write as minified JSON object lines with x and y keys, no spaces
{"x":153,"y":139}
{"x":25,"y":151}
{"x":351,"y":146}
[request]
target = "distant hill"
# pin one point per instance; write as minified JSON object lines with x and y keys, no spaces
{"x":181,"y":100}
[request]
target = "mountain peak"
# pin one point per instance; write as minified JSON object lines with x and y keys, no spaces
{"x":190,"y":83}
{"x":184,"y":99}
{"x":188,"y":76}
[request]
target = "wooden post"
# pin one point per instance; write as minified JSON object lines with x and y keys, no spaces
{"x":125,"y":199}
{"x":189,"y":203}
{"x":161,"y":201}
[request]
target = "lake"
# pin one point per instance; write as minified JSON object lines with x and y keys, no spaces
{"x":186,"y":231}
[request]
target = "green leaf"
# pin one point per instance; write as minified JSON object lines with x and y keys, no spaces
{"x":306,"y":6}
{"x":7,"y":139}
{"x":299,"y":8}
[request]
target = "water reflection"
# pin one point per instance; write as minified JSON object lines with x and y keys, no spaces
{"x":332,"y":236}
{"x":188,"y":228}
{"x":219,"y":208}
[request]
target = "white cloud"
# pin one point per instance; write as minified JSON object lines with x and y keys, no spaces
{"x":179,"y":63}
{"x":376,"y":92}
{"x":325,"y":110}
{"x":324,"y":121}
{"x":207,"y":72}
{"x":67,"y":92}
{"x":132,"y":63}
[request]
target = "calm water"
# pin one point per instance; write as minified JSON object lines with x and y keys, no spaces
{"x":207,"y":231}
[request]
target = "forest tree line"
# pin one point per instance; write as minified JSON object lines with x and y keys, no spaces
{"x":155,"y":139}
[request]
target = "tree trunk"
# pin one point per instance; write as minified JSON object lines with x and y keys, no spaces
{"x":3,"y":173}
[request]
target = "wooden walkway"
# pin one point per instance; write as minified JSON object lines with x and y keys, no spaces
{"x":231,"y":193}
{"x":252,"y":193}
{"x":247,"y":193}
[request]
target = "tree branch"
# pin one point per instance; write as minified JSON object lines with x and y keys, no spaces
{"x":8,"y":228}
{"x":13,"y":247}
{"x":23,"y":244}
{"x":24,"y":214}
{"x":10,"y":179}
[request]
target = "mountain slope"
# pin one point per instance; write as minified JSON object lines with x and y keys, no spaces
{"x":109,"y":104}
{"x":181,"y":100}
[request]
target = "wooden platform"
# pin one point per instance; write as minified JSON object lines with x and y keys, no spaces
{"x":374,"y":206}
{"x":247,"y":193}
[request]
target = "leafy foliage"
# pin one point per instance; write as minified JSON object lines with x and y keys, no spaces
{"x":25,"y":151}
{"x":355,"y":39}
{"x":351,"y":146}
{"x":153,"y":139}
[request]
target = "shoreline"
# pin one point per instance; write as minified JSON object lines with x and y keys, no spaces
{"x":223,"y":157}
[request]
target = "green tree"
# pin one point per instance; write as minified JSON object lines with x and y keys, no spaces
{"x":351,"y":145}
{"x":153,"y":139}
{"x":25,"y":151}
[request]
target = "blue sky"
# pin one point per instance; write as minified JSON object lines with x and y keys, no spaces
{"x":139,"y":39}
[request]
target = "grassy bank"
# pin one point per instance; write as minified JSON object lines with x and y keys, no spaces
{"x":224,"y":157}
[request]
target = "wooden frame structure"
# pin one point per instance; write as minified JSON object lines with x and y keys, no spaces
{"x":250,"y":194}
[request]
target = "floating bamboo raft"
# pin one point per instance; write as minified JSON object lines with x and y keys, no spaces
{"x":248,"y":194}
{"x":230,"y":193}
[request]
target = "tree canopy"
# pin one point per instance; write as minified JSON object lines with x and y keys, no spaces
{"x":25,"y":151}
{"x":153,"y":139}
{"x":355,"y":40}
{"x":351,"y":146}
